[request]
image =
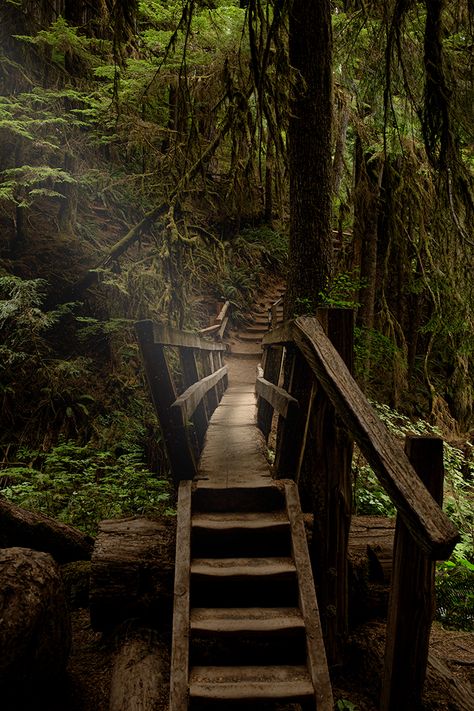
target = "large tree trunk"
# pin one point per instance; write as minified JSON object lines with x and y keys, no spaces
{"x":310,"y":125}
{"x":35,"y":632}
{"x":19,"y":527}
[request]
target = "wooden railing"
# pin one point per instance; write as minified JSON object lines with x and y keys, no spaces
{"x":217,"y":329}
{"x":307,"y":380}
{"x":184,"y":415}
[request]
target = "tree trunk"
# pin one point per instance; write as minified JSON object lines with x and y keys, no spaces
{"x":309,"y":134}
{"x":20,"y":527}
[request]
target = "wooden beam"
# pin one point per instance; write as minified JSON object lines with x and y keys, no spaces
{"x":191,"y":397}
{"x":317,"y":663}
{"x":163,"y":393}
{"x":280,"y":335}
{"x":180,"y":644}
{"x":278,"y":398}
{"x":169,"y":336}
{"x":428,"y":525}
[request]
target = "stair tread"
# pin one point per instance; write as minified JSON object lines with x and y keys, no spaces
{"x":241,"y":519}
{"x":245,"y":619}
{"x":242,"y":566}
{"x":255,"y":682}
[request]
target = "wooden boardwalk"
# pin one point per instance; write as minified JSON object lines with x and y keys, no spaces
{"x":233,"y":453}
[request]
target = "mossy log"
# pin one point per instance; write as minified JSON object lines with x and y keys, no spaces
{"x":19,"y":527}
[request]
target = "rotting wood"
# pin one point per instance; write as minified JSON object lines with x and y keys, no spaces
{"x":412,"y":595}
{"x":139,"y":675}
{"x":279,"y":399}
{"x":430,"y":527}
{"x":317,"y":663}
{"x":180,"y":643}
{"x":190,"y":399}
{"x":19,"y":527}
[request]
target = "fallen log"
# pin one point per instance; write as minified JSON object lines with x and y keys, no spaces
{"x":132,"y":571}
{"x":19,"y":527}
{"x":140,"y":677}
{"x":35,"y":629}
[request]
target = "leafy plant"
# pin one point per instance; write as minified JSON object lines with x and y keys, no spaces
{"x":81,"y":485}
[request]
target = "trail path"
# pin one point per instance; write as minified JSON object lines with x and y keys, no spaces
{"x":234,"y":451}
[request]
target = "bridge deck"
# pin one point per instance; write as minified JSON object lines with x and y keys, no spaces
{"x":233,"y":453}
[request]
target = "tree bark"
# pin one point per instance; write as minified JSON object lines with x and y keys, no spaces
{"x":309,"y":134}
{"x":35,"y":631}
{"x":140,"y":674}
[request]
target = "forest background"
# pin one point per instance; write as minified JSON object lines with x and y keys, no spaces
{"x":145,"y":173}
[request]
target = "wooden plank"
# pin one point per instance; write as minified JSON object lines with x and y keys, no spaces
{"x":169,"y":336}
{"x":250,"y":683}
{"x":280,"y":335}
{"x":317,"y":662}
{"x":223,"y":312}
{"x":243,"y":567}
{"x":190,"y":399}
{"x":246,"y":619}
{"x":429,"y":526}
{"x":278,"y":398}
{"x":180,"y":643}
{"x":412,"y":595}
{"x":163,"y":394}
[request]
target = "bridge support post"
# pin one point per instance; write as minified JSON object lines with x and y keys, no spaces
{"x":163,"y":394}
{"x":412,"y":596}
{"x":326,"y":475}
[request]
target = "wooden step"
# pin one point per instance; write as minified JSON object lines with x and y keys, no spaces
{"x":246,"y":620}
{"x":242,"y":567}
{"x":289,"y":683}
{"x":237,"y":498}
{"x":235,"y":520}
{"x":248,"y":337}
{"x":245,"y":534}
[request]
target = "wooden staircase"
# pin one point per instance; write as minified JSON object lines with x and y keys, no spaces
{"x":246,"y":631}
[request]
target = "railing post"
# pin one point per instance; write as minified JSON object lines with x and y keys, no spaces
{"x":412,"y":597}
{"x":180,"y":454}
{"x":328,"y":478}
{"x":191,"y":376}
{"x":211,"y":399}
{"x":292,"y":431}
{"x":271,"y":372}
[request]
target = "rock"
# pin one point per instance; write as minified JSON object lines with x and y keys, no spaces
{"x":35,"y":628}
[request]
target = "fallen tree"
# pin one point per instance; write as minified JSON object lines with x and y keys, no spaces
{"x":19,"y":527}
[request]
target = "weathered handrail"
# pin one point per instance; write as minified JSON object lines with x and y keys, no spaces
{"x":220,"y":324}
{"x":314,"y":446}
{"x":427,"y":523}
{"x":183,"y":416}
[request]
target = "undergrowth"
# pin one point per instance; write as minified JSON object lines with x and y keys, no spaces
{"x":455,"y":577}
{"x":82,"y":485}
